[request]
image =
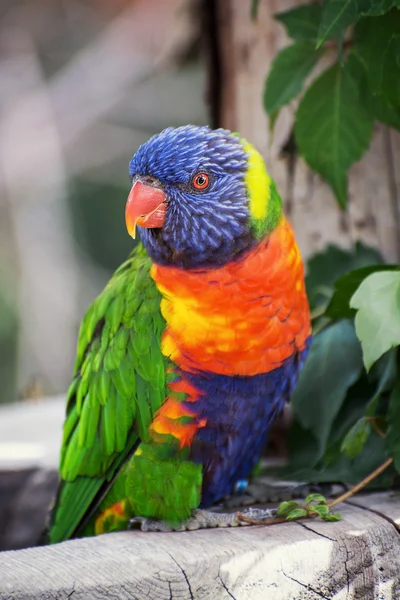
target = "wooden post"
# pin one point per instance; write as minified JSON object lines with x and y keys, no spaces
{"x":245,"y":51}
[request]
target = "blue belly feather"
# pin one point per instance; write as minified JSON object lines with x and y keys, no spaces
{"x":239,"y":411}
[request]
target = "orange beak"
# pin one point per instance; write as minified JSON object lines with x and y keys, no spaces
{"x":145,"y":207}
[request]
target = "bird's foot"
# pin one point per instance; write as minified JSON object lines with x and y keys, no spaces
{"x":203,"y":519}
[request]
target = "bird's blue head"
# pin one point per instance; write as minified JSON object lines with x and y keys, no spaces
{"x":201,"y":197}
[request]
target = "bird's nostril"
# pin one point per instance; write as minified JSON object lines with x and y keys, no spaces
{"x":151,"y":181}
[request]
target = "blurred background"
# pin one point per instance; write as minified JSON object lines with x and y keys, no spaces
{"x":82,"y":84}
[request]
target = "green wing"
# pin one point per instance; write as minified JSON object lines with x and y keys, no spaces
{"x":119,"y":383}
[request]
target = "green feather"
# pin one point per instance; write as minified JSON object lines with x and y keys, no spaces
{"x":123,"y":418}
{"x":120,"y":383}
{"x":103,"y":301}
{"x":114,"y":313}
{"x":108,"y":423}
{"x":110,"y":358}
{"x":70,"y":423}
{"x":143,"y":415}
{"x":88,"y":424}
{"x":108,"y":401}
{"x":104,"y":381}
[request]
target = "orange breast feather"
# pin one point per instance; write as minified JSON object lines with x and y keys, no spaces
{"x":242,"y":319}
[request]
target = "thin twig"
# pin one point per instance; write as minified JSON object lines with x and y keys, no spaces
{"x":362,"y":484}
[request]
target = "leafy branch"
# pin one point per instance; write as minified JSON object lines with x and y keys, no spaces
{"x":315,"y":505}
{"x":336,"y":113}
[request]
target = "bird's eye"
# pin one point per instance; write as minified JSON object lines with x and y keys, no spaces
{"x":201,"y":181}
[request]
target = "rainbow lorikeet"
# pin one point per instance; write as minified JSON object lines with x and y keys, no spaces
{"x":193,"y":347}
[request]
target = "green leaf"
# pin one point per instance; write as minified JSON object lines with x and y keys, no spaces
{"x":286,"y":507}
{"x":378,"y":46}
{"x":353,"y":470}
{"x":333,"y":365}
{"x":375,"y":7}
{"x":355,"y":439}
{"x":333,"y":517}
{"x":340,"y":47}
{"x":344,"y":469}
{"x":302,"y":22}
{"x":319,"y":498}
{"x":378,"y":106}
{"x":322,"y":510}
{"x":393,"y":431}
{"x":323,"y":269}
{"x":353,"y":408}
{"x":383,"y":111}
{"x":386,"y":370}
{"x":296,"y":513}
{"x":377,"y":322}
{"x":391,"y":71}
{"x":304,"y":448}
{"x":332,"y":127}
{"x":288,"y":72}
{"x":346,"y":286}
{"x":337,"y":15}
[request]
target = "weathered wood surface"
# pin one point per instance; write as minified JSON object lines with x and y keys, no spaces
{"x":358,"y":557}
{"x":387,"y":505}
{"x":373,"y":215}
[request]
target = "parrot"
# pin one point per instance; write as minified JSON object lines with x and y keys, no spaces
{"x":192,"y":349}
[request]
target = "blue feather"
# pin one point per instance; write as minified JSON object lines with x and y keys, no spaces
{"x":239,"y":411}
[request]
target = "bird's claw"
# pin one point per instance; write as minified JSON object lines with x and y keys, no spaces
{"x":204,"y":519}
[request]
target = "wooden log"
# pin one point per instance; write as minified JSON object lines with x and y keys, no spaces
{"x":358,"y":557}
{"x":386,"y":505}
